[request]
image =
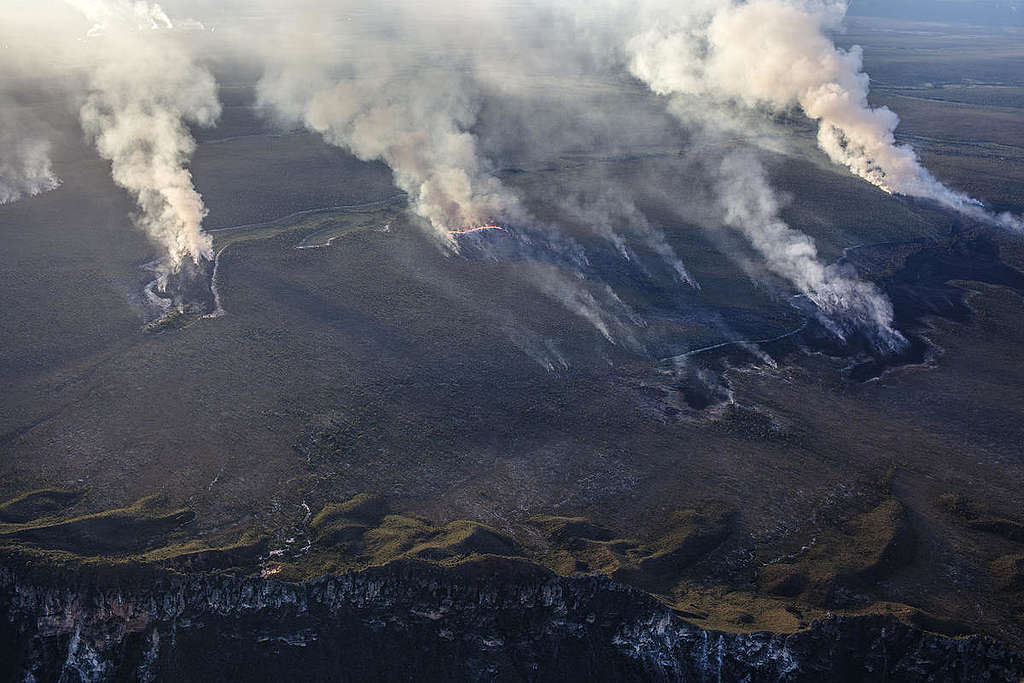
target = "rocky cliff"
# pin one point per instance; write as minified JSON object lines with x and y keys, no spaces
{"x":486,"y":620}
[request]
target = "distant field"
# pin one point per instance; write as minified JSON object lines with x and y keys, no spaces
{"x":958,"y":91}
{"x":998,"y":13}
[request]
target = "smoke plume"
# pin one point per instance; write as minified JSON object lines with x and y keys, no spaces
{"x":778,"y":54}
{"x":848,"y":304}
{"x":143,"y":91}
{"x":432,"y":95}
{"x":25,"y":166}
{"x":708,"y":61}
{"x":396,"y":107}
{"x":456,"y":96}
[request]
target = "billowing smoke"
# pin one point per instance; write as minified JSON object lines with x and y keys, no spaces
{"x":449,"y":94}
{"x":778,"y":54}
{"x":397,"y":107}
{"x":413,"y":93}
{"x":117,"y":13}
{"x":704,"y":61}
{"x":26,"y":133}
{"x":143,"y":91}
{"x":419,"y":129}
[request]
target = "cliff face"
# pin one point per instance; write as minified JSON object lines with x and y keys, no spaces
{"x":485,"y":621}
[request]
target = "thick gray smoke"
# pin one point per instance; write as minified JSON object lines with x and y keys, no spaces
{"x":143,"y":90}
{"x":778,"y":54}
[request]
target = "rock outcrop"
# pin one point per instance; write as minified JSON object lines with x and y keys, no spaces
{"x":493,"y":619}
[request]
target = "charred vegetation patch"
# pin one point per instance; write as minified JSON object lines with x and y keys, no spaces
{"x":184,"y":294}
{"x":188,"y":287}
{"x":922,"y":278}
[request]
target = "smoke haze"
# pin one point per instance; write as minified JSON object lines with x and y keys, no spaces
{"x":450,"y":95}
{"x":25,"y":165}
{"x":848,"y":304}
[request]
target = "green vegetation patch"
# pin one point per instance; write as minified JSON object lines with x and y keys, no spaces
{"x":364,"y":508}
{"x":131,"y":529}
{"x":139,"y":541}
{"x":395,"y":537}
{"x":567,"y":529}
{"x":463,"y":539}
{"x":143,"y":541}
{"x":864,"y":549}
{"x":688,"y":536}
{"x":200,"y":556}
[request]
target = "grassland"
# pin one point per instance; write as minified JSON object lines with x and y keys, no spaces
{"x":363,"y":532}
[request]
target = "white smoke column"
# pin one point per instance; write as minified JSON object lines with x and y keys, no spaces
{"x":777,"y":53}
{"x":848,"y":303}
{"x":143,"y":90}
{"x":108,"y":13}
{"x":28,"y":55}
{"x":394,"y":107}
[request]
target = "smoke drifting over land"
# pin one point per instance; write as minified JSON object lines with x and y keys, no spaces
{"x":135,"y":86}
{"x":413,"y":93}
{"x":418,"y":126}
{"x":137,"y":110}
{"x":448,"y":95}
{"x":778,"y":54}
{"x":25,"y":166}
{"x":848,"y":304}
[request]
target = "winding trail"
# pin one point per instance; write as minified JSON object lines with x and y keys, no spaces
{"x":310,"y":212}
{"x":736,"y":342}
{"x":218,"y":310}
